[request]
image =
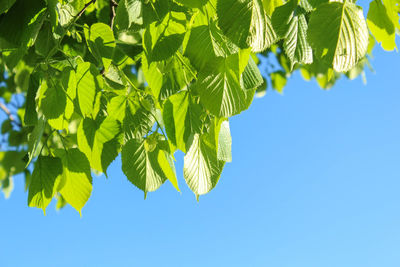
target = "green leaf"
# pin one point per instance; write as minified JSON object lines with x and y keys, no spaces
{"x":6,"y":126}
{"x":45,"y":41}
{"x":101,"y":43}
{"x":162,"y":39}
{"x":61,"y":202}
{"x":169,"y":76}
{"x":245,"y":23}
{"x":166,"y":162}
{"x":224,"y":142}
{"x":202,"y":168}
{"x":20,"y":25}
{"x":34,"y":140}
{"x":219,"y":87}
{"x":206,"y":42}
{"x":44,"y":181}
{"x":147,"y":170}
{"x":5,"y":4}
{"x":338,"y":34}
{"x":182,"y":117}
{"x":30,"y":116}
{"x":12,"y":162}
{"x":251,"y":77}
{"x":76,"y":185}
{"x":52,"y":99}
{"x":88,"y":83}
{"x":117,"y":107}
{"x":290,"y":24}
{"x":138,"y":120}
{"x":7,"y":186}
{"x":128,"y":14}
{"x":192,"y":3}
{"x":97,"y":141}
{"x":271,"y":5}
{"x":68,"y":82}
{"x":309,"y":5}
{"x":381,"y":26}
{"x":278,"y":80}
{"x":393,"y":9}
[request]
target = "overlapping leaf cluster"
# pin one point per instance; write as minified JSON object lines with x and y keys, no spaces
{"x":84,"y":81}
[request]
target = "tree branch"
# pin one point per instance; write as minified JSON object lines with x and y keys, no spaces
{"x":84,"y":9}
{"x":113,"y":5}
{"x":9,"y":115}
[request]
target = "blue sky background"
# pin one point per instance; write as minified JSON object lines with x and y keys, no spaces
{"x":315,"y":181}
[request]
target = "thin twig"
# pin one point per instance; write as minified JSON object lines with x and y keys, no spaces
{"x":84,"y":9}
{"x":113,"y":5}
{"x":9,"y":115}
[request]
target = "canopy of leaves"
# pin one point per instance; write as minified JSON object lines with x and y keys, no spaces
{"x":82,"y":81}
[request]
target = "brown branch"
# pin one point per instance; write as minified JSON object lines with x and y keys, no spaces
{"x":113,"y":5}
{"x":84,"y":9}
{"x":9,"y":115}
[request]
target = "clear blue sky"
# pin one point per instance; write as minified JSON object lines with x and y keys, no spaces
{"x":315,"y":181}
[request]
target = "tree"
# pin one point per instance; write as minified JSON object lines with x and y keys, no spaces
{"x":84,"y":81}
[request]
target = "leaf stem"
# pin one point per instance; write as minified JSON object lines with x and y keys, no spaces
{"x":45,"y":142}
{"x":158,"y":124}
{"x":62,"y":141}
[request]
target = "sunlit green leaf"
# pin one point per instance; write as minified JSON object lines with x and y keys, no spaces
{"x":97,"y":141}
{"x":147,"y":170}
{"x":380,"y":25}
{"x":76,"y":184}
{"x":43,"y":185}
{"x":338,"y":34}
{"x":202,"y":168}
{"x":101,"y":42}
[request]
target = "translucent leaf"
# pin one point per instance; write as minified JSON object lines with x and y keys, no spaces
{"x":206,"y":42}
{"x":245,"y":23}
{"x":338,"y":34}
{"x":270,"y":5}
{"x":34,"y":140}
{"x":278,"y":80}
{"x":88,"y":83}
{"x":117,"y":107}
{"x":101,"y":43}
{"x":43,"y":184}
{"x":192,"y":3}
{"x":7,"y":186}
{"x":169,"y":76}
{"x":51,"y":99}
{"x":76,"y":185}
{"x":219,"y":87}
{"x":290,"y":24}
{"x":68,"y":82}
{"x":147,"y":170}
{"x":138,"y":120}
{"x":11,"y":163}
{"x":162,"y":39}
{"x":182,"y":119}
{"x":128,"y":14}
{"x":97,"y":141}
{"x":202,"y":168}
{"x":224,"y":142}
{"x":251,"y":77}
{"x":381,"y":26}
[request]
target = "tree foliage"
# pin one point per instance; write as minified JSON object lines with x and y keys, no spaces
{"x":83,"y":81}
